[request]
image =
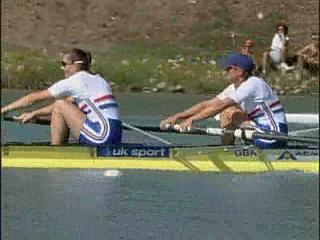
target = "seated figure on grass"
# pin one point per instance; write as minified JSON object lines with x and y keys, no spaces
{"x":276,"y":56}
{"x":308,"y":56}
{"x":247,"y":49}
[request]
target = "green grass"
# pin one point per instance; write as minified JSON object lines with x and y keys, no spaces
{"x":213,"y":33}
{"x":135,"y":67}
{"x":28,"y":69}
{"x":129,"y":67}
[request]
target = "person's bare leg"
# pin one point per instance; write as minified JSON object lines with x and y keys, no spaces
{"x":231,"y":118}
{"x":300,"y":66}
{"x":265,"y":58}
{"x":65,"y":116}
{"x":284,"y":59}
{"x":283,"y":55}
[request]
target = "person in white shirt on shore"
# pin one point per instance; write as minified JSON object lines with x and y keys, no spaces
{"x":277,"y":54}
{"x":82,"y":103}
{"x":247,"y":102}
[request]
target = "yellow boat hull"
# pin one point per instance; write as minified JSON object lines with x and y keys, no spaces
{"x":197,"y":159}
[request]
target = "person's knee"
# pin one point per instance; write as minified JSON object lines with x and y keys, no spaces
{"x":238,"y":117}
{"x":232,"y":116}
{"x":58,"y":105}
{"x":226,"y":117}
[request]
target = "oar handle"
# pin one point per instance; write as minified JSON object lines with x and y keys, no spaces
{"x":36,"y":121}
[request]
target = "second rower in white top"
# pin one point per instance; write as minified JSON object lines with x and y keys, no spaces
{"x":247,"y":102}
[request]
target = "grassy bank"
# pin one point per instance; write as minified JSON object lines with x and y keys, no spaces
{"x":158,"y":56}
{"x":140,"y":68}
{"x":129,"y":68}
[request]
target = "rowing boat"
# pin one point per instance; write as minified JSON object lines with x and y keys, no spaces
{"x":238,"y":158}
{"x":174,"y":158}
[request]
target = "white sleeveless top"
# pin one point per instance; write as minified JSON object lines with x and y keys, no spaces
{"x":256,"y":98}
{"x":92,"y":94}
{"x":278,"y":42}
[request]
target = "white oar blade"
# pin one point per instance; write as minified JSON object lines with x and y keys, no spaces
{"x":303,"y":118}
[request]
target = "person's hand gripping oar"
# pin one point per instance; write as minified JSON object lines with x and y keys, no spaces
{"x":24,"y":117}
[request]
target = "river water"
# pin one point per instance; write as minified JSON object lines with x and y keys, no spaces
{"x":85,"y":204}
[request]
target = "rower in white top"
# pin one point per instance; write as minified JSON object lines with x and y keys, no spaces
{"x":83,"y":104}
{"x":247,"y":103}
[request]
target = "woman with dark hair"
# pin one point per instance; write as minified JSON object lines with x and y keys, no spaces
{"x":83,"y":104}
{"x":277,"y":54}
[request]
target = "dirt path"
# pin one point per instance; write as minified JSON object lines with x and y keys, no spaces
{"x":96,"y":23}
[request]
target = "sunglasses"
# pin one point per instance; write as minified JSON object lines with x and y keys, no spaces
{"x":64,"y":64}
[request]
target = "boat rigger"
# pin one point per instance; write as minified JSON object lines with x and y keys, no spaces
{"x":196,"y":159}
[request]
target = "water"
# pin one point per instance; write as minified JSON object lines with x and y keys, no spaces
{"x":73,"y":204}
{"x":87,"y":204}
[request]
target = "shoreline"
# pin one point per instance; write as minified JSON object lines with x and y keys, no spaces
{"x":145,"y":69}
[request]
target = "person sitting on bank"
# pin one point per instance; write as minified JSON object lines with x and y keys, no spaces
{"x":82,"y":103}
{"x":247,"y":48}
{"x":308,"y":56}
{"x":277,"y":54}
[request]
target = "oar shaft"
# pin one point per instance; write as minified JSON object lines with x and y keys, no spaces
{"x":139,"y":130}
{"x":239,"y":133}
{"x":47,"y":122}
{"x":251,"y":134}
{"x":145,"y":128}
{"x":40,"y":121}
{"x":124,"y":126}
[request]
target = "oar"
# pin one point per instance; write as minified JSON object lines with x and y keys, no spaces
{"x":240,"y":133}
{"x":126,"y":126}
{"x":249,"y":134}
{"x":139,"y":130}
{"x":36,"y":121}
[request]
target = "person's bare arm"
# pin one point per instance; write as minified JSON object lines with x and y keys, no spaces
{"x":26,"y":101}
{"x":213,"y":107}
{"x":304,"y":51}
{"x":44,"y":111}
{"x":185,"y":114}
{"x":39,"y":113}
